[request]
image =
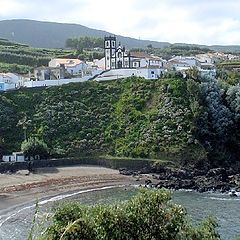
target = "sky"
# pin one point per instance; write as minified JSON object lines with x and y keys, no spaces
{"x":190,"y":21}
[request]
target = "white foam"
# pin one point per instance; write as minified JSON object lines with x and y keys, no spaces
{"x":53,"y":199}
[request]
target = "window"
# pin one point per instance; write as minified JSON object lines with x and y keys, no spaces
{"x":135,"y":64}
{"x":113,"y":44}
{"x":107,"y":43}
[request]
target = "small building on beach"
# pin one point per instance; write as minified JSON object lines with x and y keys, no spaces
{"x":14,"y":157}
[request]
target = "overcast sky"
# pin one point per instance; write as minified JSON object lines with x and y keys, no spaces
{"x":190,"y":21}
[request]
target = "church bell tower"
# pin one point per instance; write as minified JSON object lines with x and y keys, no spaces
{"x":110,"y":52}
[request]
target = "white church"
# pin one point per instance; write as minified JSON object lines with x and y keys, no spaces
{"x":120,"y":63}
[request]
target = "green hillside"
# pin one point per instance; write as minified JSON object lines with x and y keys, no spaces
{"x":166,"y":118}
{"x":54,"y":35}
{"x":21,"y":58}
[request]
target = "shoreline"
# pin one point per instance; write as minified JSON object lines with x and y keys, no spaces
{"x":20,"y":189}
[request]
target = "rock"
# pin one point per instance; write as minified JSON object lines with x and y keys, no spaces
{"x":23,"y":172}
{"x":198,"y":172}
{"x":203,"y":184}
{"x":181,"y":174}
{"x":126,"y":172}
{"x":218,"y":172}
{"x":148,"y":182}
{"x":187,"y":184}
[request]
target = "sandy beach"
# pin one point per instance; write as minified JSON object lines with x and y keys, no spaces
{"x":21,"y":188}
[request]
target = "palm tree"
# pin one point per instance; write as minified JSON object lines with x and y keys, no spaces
{"x":24,"y":123}
{"x":193,"y":73}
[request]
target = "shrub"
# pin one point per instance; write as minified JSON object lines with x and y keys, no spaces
{"x":148,"y":215}
{"x":34,"y":147}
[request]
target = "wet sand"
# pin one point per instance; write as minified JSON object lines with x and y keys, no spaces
{"x":21,"y":188}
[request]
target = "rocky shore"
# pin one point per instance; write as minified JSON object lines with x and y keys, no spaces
{"x":216,"y":179}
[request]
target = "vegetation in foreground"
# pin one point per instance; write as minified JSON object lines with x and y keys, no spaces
{"x":148,"y":215}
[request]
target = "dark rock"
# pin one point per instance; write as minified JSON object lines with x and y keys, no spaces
{"x":197,"y":172}
{"x":187,"y":184}
{"x":126,"y":172}
{"x":220,"y":174}
{"x":181,"y":174}
{"x":203,"y":184}
{"x":148,"y":182}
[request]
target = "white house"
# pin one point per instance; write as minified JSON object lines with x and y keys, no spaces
{"x":10,"y":81}
{"x":72,"y":66}
{"x":181,"y":61}
{"x":49,"y":73}
{"x":15,"y":157}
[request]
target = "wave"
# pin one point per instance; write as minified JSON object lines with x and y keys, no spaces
{"x":5,"y":218}
{"x":224,"y":199}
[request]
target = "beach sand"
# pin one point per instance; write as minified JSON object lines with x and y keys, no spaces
{"x":21,"y":188}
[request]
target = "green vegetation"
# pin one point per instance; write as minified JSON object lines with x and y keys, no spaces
{"x":35,"y":148}
{"x":175,"y":50}
{"x":189,"y":121}
{"x":120,"y":118}
{"x":19,"y":58}
{"x":148,"y":215}
{"x":84,"y":42}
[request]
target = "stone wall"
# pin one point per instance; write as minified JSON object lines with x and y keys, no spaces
{"x":110,"y":163}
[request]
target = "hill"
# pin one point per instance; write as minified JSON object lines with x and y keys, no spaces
{"x":21,"y":58}
{"x":54,"y":35}
{"x":166,"y":118}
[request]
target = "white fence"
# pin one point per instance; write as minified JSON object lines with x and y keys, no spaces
{"x":31,"y":84}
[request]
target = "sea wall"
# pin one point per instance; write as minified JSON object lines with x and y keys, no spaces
{"x":135,"y":164}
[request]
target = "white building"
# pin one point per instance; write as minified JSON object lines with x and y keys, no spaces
{"x":117,"y":57}
{"x":9,"y":81}
{"x":15,"y":157}
{"x":187,"y":62}
{"x":72,"y":66}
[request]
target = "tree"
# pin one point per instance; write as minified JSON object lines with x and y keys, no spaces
{"x":1,"y":147}
{"x":150,"y":46}
{"x":24,"y":123}
{"x":34,"y":147}
{"x":149,"y":215}
{"x":193,"y":73}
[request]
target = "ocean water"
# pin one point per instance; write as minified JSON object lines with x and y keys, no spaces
{"x":16,"y":223}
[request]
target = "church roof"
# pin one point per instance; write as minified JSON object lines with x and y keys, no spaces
{"x":140,"y":55}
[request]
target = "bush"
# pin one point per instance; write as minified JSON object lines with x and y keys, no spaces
{"x":33,"y":147}
{"x":148,"y":215}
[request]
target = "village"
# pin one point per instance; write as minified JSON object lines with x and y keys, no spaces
{"x":118,"y":63}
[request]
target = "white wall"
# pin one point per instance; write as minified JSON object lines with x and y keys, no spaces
{"x":123,"y":73}
{"x":58,"y":82}
{"x":13,"y":158}
{"x":8,"y":158}
{"x":76,"y":69}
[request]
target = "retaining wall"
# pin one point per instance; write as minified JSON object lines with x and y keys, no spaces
{"x":110,"y":163}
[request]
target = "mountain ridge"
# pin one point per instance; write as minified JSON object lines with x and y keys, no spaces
{"x":44,"y":34}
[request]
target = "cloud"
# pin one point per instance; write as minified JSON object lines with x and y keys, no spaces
{"x":204,"y":22}
{"x":9,"y":8}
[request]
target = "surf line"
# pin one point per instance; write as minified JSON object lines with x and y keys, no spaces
{"x":56,"y":198}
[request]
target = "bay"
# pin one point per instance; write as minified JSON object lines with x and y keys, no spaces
{"x":16,"y":223}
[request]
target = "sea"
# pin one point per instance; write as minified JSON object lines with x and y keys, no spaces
{"x":16,"y":223}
